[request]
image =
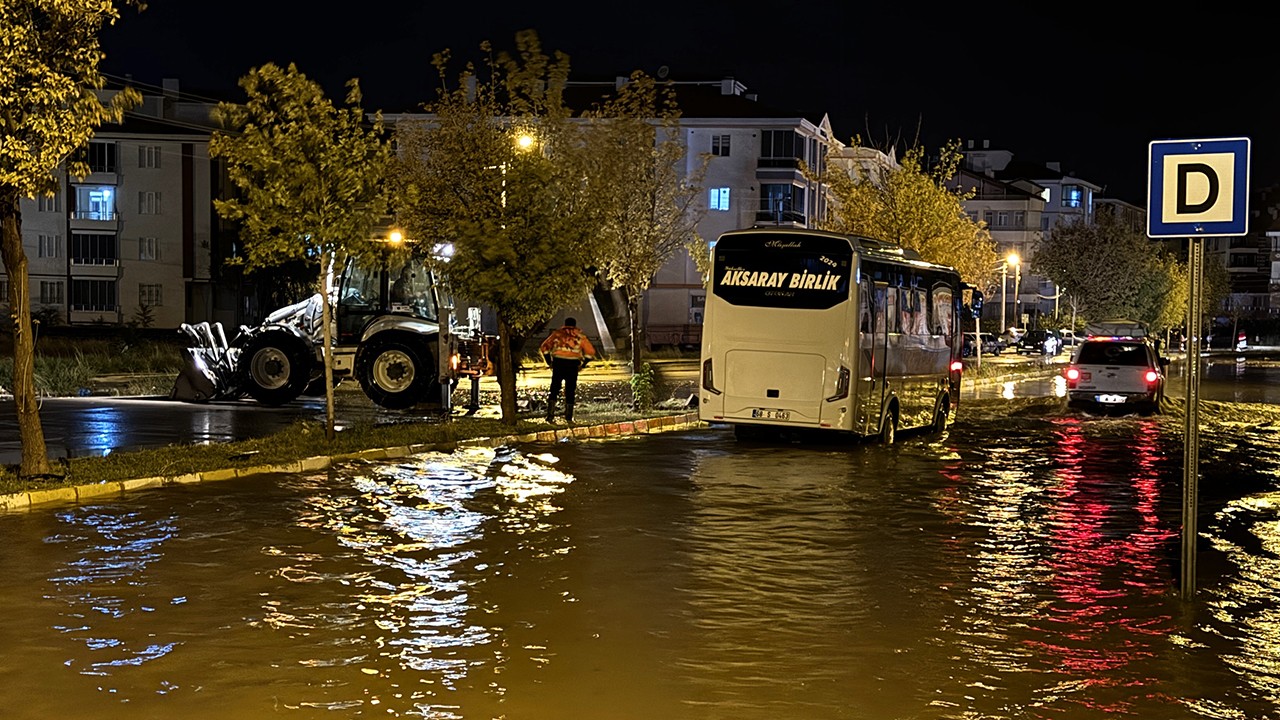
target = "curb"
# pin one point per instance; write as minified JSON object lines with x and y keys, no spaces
{"x":75,"y":494}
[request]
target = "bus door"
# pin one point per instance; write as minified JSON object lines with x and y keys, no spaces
{"x":871,"y":356}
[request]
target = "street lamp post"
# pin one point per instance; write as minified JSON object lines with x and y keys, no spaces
{"x":1004,"y":280}
{"x":1016,"y":262}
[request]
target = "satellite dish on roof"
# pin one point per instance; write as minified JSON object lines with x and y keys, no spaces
{"x":663,"y":72}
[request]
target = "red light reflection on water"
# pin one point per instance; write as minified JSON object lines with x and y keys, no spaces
{"x":1106,"y":548}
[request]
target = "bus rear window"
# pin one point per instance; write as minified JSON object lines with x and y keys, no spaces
{"x":783,"y":278}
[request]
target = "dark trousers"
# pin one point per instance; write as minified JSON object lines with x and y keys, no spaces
{"x":563,"y":371}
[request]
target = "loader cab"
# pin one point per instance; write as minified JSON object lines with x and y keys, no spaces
{"x":368,"y":292}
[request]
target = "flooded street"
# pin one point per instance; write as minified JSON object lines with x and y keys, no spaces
{"x":1022,"y":565}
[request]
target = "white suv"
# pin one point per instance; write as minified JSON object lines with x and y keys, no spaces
{"x":1116,"y":373}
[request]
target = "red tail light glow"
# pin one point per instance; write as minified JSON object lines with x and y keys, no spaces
{"x":1073,"y":373}
{"x":957,"y":366}
{"x":1152,"y":376}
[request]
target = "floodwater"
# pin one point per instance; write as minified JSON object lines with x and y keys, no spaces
{"x":1024,"y":564}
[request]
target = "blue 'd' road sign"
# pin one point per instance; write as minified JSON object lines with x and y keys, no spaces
{"x":1198,"y":188}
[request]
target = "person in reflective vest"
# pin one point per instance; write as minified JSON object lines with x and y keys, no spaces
{"x":566,"y":351}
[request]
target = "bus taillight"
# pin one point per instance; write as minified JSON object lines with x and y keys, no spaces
{"x":842,"y":385}
{"x":708,"y":383}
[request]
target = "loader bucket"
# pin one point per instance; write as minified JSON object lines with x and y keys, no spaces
{"x":193,"y":383}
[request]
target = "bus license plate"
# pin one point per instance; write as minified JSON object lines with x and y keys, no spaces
{"x":763,"y":414}
{"x":1111,"y":399}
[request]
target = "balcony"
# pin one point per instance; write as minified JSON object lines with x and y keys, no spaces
{"x":95,"y":221}
{"x":785,"y":218}
{"x":95,"y":267}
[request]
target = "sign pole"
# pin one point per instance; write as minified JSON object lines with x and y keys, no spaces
{"x":1191,"y":438}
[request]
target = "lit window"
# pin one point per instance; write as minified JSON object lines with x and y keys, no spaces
{"x":96,"y":202}
{"x":719,"y":199}
{"x":1072,"y":196}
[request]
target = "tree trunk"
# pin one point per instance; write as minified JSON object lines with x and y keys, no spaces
{"x":633,"y":313}
{"x":326,"y":267}
{"x":35,"y":455}
{"x":506,"y":371}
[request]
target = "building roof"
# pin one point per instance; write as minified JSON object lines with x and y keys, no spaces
{"x":724,"y":98}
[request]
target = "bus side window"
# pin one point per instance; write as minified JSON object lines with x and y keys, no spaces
{"x":891,"y":309}
{"x":914,"y":321}
{"x":864,"y":307}
{"x":942,"y":310}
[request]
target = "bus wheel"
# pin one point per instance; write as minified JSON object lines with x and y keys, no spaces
{"x":940,"y":420}
{"x":889,"y":427}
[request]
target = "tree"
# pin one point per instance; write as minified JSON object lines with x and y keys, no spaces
{"x":310,"y":180}
{"x":48,"y":110}
{"x":912,"y":206}
{"x":497,"y":173}
{"x":1115,"y":271}
{"x":643,"y":199}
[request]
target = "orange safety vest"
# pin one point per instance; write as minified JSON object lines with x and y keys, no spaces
{"x":568,"y":343}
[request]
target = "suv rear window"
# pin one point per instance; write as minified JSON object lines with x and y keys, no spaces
{"x":1112,"y":353}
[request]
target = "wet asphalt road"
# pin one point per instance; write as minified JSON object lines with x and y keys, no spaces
{"x":87,"y":426}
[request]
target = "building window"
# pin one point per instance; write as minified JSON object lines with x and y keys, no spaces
{"x":93,"y":249}
{"x":101,"y":157}
{"x":720,"y":145}
{"x":1072,"y":196}
{"x":780,"y":148}
{"x":147,"y":248}
{"x":1044,"y":223}
{"x":1002,"y":219}
{"x":50,"y":292}
{"x":51,"y":203}
{"x":781,"y":203}
{"x":93,"y":295}
{"x":148,"y":203}
{"x":1020,"y":219}
{"x":150,"y":295}
{"x":148,"y":156}
{"x":4,"y":291}
{"x":49,"y":246}
{"x":989,"y":218}
{"x":719,"y":199}
{"x":95,"y":202}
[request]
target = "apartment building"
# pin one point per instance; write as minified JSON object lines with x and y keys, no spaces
{"x":754,"y":175}
{"x":131,"y":241}
{"x":1051,"y":197}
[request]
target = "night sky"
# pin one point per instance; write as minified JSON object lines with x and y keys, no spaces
{"x":1085,"y":85}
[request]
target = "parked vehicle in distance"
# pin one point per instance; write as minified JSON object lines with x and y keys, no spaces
{"x":1112,"y":373}
{"x":1040,"y":342}
{"x":1012,"y":335}
{"x":991,"y":345}
{"x":1069,"y":338}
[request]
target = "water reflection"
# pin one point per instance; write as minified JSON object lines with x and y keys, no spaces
{"x":412,"y":530}
{"x":1020,"y":565}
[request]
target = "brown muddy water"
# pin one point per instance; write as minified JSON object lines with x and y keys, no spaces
{"x":1022,"y":565}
